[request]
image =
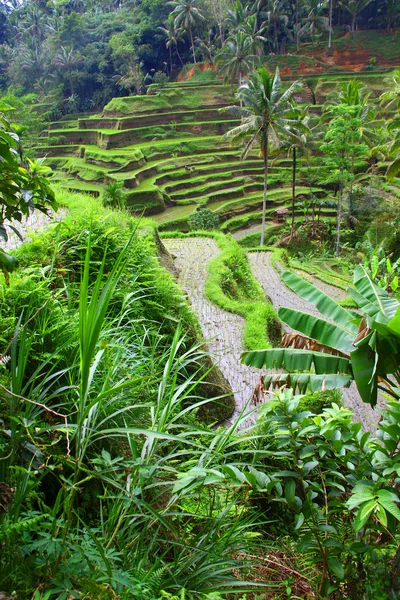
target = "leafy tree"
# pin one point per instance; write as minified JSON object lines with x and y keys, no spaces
{"x":354,"y":95}
{"x":188,"y":14}
{"x":266,"y":115}
{"x":22,"y":188}
{"x":342,"y":146}
{"x":219,"y":10}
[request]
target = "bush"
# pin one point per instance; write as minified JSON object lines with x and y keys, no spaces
{"x":160,"y":79}
{"x":203,"y":219}
{"x":113,"y":196}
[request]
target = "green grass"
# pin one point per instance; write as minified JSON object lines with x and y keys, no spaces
{"x":278,"y":196}
{"x":320,"y":270}
{"x":232,"y":286}
{"x":171,"y":98}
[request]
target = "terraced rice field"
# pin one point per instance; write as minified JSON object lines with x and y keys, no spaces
{"x":224,"y":331}
{"x":169,"y":153}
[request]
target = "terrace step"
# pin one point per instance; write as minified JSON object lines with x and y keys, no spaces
{"x":154,"y":119}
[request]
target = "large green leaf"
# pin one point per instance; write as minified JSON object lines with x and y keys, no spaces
{"x":301,"y":382}
{"x":363,"y":363}
{"x":394,"y":324}
{"x":8,"y":262}
{"x":318,"y":329}
{"x":326,"y":306}
{"x":393,"y":169}
{"x":370,"y":298}
{"x":297,"y":360}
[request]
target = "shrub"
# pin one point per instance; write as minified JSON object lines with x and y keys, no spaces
{"x":203,"y":219}
{"x":113,"y":196}
{"x":160,"y":79}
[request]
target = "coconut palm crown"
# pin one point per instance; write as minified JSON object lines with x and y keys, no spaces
{"x":267,"y":118}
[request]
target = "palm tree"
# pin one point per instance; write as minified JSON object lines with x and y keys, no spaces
{"x":330,"y":23}
{"x":314,"y":20}
{"x":392,"y":14}
{"x":187,"y":14}
{"x":34,"y":23}
{"x":173,"y":34}
{"x":254,"y":33}
{"x":354,"y":7}
{"x":68,"y":60}
{"x":266,"y":114}
{"x":237,"y":16}
{"x":296,"y":145}
{"x":276,"y":18}
{"x":236,"y":57}
{"x":33,"y":60}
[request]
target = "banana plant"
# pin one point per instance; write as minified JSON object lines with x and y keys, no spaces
{"x":340,"y":346}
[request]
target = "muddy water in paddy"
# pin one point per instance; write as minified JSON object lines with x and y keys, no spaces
{"x":224,"y":331}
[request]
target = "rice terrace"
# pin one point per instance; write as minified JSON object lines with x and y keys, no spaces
{"x":200,"y":299}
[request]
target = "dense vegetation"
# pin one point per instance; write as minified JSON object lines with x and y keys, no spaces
{"x":130,"y":465}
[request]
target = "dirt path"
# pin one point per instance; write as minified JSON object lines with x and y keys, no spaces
{"x":281,"y":296}
{"x":222,"y":330}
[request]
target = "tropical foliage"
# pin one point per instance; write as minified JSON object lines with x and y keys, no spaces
{"x":342,"y":345}
{"x":267,"y":119}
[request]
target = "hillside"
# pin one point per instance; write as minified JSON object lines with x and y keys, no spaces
{"x":200,"y":300}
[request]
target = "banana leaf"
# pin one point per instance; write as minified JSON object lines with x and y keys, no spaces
{"x":370,"y":298}
{"x":301,"y":382}
{"x":393,"y":169}
{"x":364,"y":369}
{"x":328,"y":334}
{"x":326,"y":306}
{"x":292,"y":359}
{"x":394,"y":324}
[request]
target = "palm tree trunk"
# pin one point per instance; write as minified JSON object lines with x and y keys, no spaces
{"x":71,"y":85}
{"x":276,"y":38}
{"x":293,"y":190}
{"x":179,"y":55}
{"x":192,"y":41}
{"x":312,"y":41}
{"x":353,"y":26}
{"x":330,"y":23}
{"x":170,"y":60}
{"x":339,"y":217}
{"x":264,"y":207}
